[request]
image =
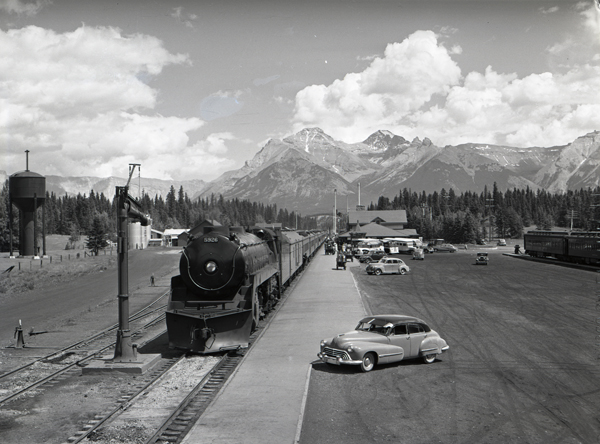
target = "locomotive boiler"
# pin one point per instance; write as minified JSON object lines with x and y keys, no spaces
{"x":228,"y":279}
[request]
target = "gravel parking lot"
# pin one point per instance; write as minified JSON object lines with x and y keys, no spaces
{"x":522,"y":366}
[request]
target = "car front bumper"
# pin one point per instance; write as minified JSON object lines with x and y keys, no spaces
{"x":337,"y":360}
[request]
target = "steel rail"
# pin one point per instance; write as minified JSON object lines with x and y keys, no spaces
{"x":77,"y":363}
{"x":134,"y":317}
{"x":186,"y":402}
{"x":124,"y":405}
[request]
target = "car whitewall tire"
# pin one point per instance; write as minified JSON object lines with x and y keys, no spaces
{"x":368,"y":362}
{"x":428,"y":359}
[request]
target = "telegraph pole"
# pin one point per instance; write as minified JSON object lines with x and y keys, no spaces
{"x":489,"y":204}
{"x":334,"y":211}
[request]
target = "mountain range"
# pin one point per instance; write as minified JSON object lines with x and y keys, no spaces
{"x":301,"y":172}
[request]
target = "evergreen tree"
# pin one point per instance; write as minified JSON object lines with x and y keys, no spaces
{"x":96,"y":240}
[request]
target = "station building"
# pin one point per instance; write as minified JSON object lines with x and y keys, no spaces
{"x":379,"y":224}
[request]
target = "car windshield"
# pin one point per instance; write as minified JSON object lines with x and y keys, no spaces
{"x":373,"y":325}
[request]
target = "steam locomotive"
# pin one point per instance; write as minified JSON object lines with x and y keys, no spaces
{"x":570,"y":246}
{"x":229,"y":279}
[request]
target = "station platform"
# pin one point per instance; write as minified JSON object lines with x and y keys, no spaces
{"x":263,"y":401}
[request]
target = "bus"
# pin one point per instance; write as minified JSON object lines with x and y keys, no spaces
{"x":368,"y":246}
{"x":398,"y":245}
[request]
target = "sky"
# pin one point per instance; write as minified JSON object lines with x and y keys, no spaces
{"x":191,"y":89}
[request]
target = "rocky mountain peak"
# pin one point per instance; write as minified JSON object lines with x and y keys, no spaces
{"x":382,"y":140}
{"x":310,"y":139}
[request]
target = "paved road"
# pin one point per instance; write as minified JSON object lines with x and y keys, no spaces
{"x":522,"y":367}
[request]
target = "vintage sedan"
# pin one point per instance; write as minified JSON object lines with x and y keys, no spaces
{"x":387,"y":265}
{"x":383,"y":339}
{"x":482,"y":259}
{"x":374,"y":257}
{"x":445,"y":247}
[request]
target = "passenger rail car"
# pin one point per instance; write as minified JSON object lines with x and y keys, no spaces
{"x":575,"y":246}
{"x":229,"y":279}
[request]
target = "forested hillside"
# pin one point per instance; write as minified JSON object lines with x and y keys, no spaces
{"x":459,"y":218}
{"x":445,"y":214}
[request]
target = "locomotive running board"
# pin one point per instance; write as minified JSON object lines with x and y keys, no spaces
{"x":209,"y":332}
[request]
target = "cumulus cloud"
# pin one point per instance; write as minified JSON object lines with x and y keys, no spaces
{"x":79,"y":102}
{"x":416,"y":89}
{"x":388,"y":91}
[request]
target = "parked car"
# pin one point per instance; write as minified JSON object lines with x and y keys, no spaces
{"x":501,"y":243}
{"x":383,"y":339}
{"x":428,"y":249}
{"x":480,"y":242}
{"x":419,"y":254}
{"x":482,"y":259}
{"x":368,"y":258}
{"x":445,"y":247}
{"x":388,"y":265}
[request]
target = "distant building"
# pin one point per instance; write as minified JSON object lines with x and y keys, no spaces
{"x":377,"y":231}
{"x":156,"y":238}
{"x":393,"y":219}
{"x":171,"y":236}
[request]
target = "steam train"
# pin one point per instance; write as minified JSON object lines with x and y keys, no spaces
{"x":574,"y":246}
{"x":229,"y":279}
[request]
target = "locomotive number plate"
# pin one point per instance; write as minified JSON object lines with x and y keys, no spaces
{"x":211,"y":239}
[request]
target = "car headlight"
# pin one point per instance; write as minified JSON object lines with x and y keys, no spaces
{"x":349,"y":348}
{"x":323,"y":343}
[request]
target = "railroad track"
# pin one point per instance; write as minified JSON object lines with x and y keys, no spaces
{"x":40,"y":371}
{"x":175,"y":427}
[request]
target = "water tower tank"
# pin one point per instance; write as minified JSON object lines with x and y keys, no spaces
{"x":27,"y":191}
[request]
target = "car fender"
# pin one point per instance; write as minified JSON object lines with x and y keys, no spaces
{"x":385,"y":352}
{"x":432,"y":345}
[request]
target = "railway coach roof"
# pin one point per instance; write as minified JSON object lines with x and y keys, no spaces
{"x":292,"y":236}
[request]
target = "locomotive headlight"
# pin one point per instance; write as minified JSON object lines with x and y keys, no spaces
{"x":210,"y":267}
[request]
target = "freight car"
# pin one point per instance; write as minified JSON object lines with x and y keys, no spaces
{"x":229,"y":279}
{"x":574,"y":246}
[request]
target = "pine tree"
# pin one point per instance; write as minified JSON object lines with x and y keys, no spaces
{"x":96,"y":240}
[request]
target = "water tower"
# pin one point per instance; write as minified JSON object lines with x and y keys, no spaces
{"x":27,"y":192}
